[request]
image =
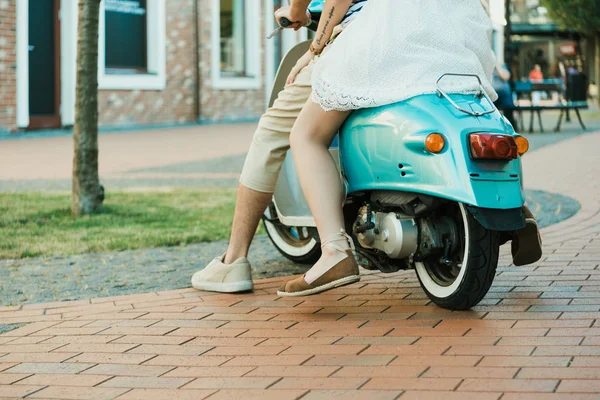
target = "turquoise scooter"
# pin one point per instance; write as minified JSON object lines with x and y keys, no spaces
{"x":429,"y":181}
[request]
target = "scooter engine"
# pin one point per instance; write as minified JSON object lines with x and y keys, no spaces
{"x":394,"y":234}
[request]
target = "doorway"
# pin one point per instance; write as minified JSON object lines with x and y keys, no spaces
{"x":44,"y":64}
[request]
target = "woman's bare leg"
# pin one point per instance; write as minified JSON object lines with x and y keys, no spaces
{"x":311,"y":136}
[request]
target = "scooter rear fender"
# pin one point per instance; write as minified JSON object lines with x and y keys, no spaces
{"x":384,"y":149}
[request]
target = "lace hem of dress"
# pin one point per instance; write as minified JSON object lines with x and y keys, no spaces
{"x":330,"y":98}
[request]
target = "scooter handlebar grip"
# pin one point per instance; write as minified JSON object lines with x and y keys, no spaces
{"x":283,"y":21}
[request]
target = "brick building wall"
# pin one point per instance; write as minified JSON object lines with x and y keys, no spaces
{"x":230,"y":105}
{"x":184,"y":93}
{"x":177,"y":102}
{"x":8,"y":64}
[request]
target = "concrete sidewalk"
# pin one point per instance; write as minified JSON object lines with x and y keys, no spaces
{"x":534,"y":336}
{"x":165,"y":158}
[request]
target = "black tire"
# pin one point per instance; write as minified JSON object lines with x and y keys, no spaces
{"x":480,"y":260}
{"x":301,"y":249}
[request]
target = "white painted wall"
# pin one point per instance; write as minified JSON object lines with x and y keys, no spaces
{"x":22,"y":64}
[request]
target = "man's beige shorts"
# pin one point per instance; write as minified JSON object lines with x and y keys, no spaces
{"x":271,"y":140}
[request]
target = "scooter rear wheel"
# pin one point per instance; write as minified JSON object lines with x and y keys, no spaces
{"x":297,"y":244}
{"x":465,"y":283}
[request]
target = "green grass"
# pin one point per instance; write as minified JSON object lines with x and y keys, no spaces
{"x":36,"y":224}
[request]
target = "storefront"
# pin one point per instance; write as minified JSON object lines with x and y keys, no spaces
{"x":532,"y":38}
{"x":160,"y":62}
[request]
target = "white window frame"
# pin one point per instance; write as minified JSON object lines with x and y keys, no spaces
{"x":252,"y":46}
{"x":156,"y":78}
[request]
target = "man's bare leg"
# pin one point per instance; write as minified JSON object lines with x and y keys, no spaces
{"x":249,"y":208}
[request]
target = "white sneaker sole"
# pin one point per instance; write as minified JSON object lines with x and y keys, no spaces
{"x":230,"y":287}
{"x":340,"y":282}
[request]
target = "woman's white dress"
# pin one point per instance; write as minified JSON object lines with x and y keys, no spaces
{"x":397,"y":49}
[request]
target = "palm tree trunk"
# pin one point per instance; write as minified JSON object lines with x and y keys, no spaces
{"x":87,"y":193}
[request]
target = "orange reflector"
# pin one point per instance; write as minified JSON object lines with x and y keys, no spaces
{"x":435,"y":143}
{"x":522,"y":145}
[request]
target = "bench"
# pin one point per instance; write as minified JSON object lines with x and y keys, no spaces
{"x":563,"y":107}
{"x":575,"y":94}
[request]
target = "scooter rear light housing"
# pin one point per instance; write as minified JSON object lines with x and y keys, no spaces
{"x":491,"y":146}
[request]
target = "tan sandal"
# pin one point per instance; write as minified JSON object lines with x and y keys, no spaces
{"x":343,"y":273}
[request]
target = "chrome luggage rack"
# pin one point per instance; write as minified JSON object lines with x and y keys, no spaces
{"x":481,"y":93}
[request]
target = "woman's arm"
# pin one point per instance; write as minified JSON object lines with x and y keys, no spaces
{"x":333,"y":13}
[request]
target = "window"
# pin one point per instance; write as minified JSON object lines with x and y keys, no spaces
{"x":131,"y":49}
{"x":235,"y":44}
{"x":125,"y":36}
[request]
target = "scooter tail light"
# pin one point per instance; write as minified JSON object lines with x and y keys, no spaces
{"x":490,"y":146}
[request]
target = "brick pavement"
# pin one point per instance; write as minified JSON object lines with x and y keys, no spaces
{"x":535,"y":335}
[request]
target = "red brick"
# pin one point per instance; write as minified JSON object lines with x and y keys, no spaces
{"x":77,"y":393}
{"x":127,"y":370}
{"x":381,"y":372}
{"x":8,"y":378}
{"x":86,"y":380}
{"x":81,"y":339}
{"x":217,"y":341}
{"x":29,"y":348}
{"x":498,"y":332}
{"x":428,"y":332}
{"x":490,"y":350}
{"x":244,"y":361}
{"x":309,"y":342}
{"x":351,"y":395}
{"x":412,"y":350}
{"x":452,"y":341}
{"x":345,"y":360}
{"x":12,"y":391}
{"x":320,"y":383}
{"x":49,"y":368}
{"x":470,"y":372}
{"x":187,"y":360}
{"x":170,"y":349}
{"x":207,"y":372}
{"x":324,"y":349}
{"x":512,"y":361}
{"x":567,"y":351}
{"x":539,"y":341}
{"x":523,"y":315}
{"x":250,"y":394}
{"x":279,"y":333}
{"x":293,"y":371}
{"x":559,"y":373}
{"x":548,"y":396}
{"x":174,"y":340}
{"x":206,"y":332}
{"x":246,"y":351}
{"x":438,"y":395}
{"x":412,"y":383}
{"x":256,"y":325}
{"x":380,"y":341}
{"x":441,"y":361}
{"x":586,"y":362}
{"x":145,"y":382}
{"x":95,"y":348}
{"x":109,"y":358}
{"x":553,"y":324}
{"x":579,"y":386}
{"x":167,"y":394}
{"x":508,"y":385}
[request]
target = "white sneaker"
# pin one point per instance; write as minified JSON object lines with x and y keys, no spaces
{"x":225,"y":278}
